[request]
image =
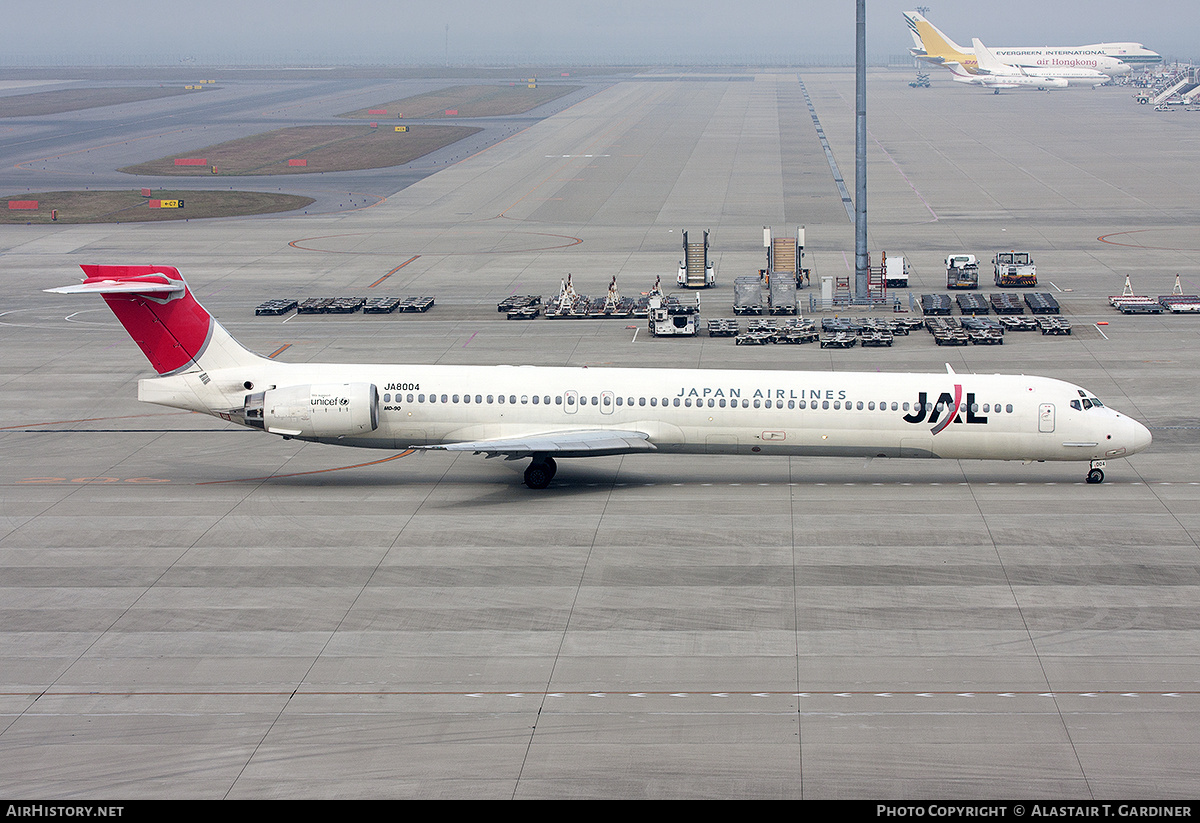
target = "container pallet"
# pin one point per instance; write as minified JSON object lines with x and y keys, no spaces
{"x":1018,"y":323}
{"x":972,"y":303}
{"x":275,"y":307}
{"x":381,"y":305}
{"x":1054,"y":325}
{"x":1180,"y":303}
{"x":518,"y":301}
{"x":876,"y":337}
{"x":1005,"y":303}
{"x":1042,"y":303}
{"x":937,"y":305}
{"x":1136,"y":305}
{"x":839,"y":340}
{"x":722,"y":328}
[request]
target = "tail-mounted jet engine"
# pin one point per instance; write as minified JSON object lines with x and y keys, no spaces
{"x":318,"y":410}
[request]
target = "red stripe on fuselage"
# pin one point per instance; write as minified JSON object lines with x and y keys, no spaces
{"x":953,"y":411}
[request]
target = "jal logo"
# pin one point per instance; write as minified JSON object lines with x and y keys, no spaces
{"x":950,"y":404}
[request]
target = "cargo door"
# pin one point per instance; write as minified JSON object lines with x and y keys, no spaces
{"x":720,"y":444}
{"x":1046,"y":417}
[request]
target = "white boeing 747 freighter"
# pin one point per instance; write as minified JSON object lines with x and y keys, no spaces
{"x":547,"y":414}
{"x":1112,"y":59}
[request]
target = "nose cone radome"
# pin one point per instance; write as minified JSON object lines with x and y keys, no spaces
{"x":1141,"y":437}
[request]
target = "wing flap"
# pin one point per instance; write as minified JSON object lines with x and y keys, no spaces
{"x":572,"y":443}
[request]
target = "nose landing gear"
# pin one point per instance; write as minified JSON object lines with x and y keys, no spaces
{"x":1096,"y":473}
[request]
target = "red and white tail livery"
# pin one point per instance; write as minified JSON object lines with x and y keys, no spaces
{"x":546,"y":413}
{"x":158,"y":310}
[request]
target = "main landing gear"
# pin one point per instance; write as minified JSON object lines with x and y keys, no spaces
{"x":1096,"y":473}
{"x":540,"y":472}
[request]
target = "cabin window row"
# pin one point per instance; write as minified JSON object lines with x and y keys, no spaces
{"x":697,"y":402}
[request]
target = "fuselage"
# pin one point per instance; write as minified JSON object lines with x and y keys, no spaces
{"x":1052,"y":61}
{"x":991,"y":65}
{"x":557,"y":412}
{"x":1015,"y":80}
{"x":1007,"y":417}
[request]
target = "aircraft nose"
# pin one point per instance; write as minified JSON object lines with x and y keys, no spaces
{"x":1141,"y":437}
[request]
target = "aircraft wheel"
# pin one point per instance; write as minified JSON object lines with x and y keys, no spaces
{"x":540,"y":473}
{"x":1095,"y":476}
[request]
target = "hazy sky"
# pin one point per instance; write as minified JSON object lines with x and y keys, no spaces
{"x":138,"y":32}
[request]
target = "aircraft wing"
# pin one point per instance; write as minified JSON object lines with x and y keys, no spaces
{"x":570,"y":443}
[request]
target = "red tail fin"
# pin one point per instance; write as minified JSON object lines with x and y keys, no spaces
{"x":158,"y":310}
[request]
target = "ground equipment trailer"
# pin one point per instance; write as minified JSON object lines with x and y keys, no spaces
{"x":748,"y":297}
{"x":1014,"y":268}
{"x":782,"y":289}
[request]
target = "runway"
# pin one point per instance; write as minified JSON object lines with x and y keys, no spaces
{"x":189,"y":609}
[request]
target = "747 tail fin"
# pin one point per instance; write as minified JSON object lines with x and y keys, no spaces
{"x":935,"y":47}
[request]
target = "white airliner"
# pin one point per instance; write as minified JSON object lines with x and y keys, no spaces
{"x":548,"y":413}
{"x":1112,"y":59}
{"x":1005,"y":81}
{"x":989,"y":65}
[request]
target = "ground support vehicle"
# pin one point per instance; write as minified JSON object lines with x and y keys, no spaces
{"x":673,"y":316}
{"x":1014,"y":268}
{"x":962,"y":271}
{"x":696,"y":271}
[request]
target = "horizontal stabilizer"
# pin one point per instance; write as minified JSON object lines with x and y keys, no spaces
{"x":118,"y":287}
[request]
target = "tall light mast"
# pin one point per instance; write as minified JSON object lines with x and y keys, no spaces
{"x":861,"y":260}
